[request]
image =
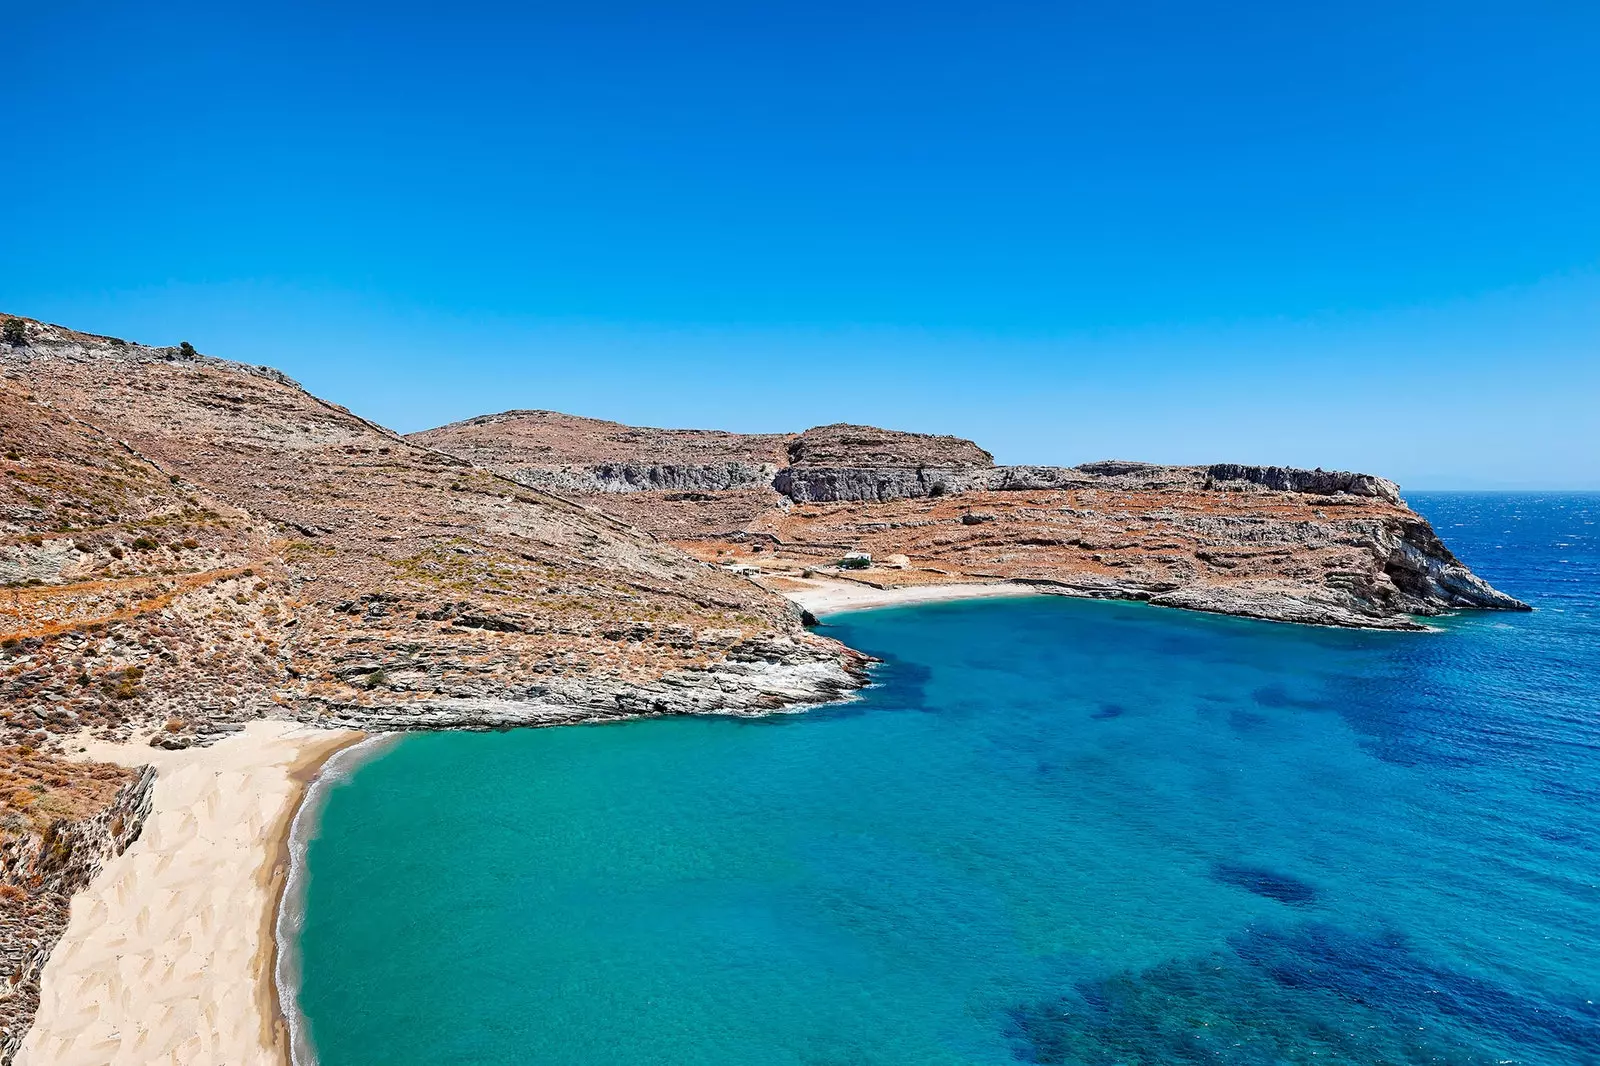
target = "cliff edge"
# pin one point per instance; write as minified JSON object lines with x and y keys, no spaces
{"x":1277,"y":543}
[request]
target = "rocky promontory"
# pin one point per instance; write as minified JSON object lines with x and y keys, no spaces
{"x":1279,"y":543}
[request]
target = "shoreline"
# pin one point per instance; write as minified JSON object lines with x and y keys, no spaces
{"x":836,"y":595}
{"x":284,"y":920}
{"x":120,"y":966}
{"x":831,"y":595}
{"x":170,"y":954}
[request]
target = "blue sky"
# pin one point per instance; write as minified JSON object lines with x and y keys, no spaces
{"x":1364,"y":237}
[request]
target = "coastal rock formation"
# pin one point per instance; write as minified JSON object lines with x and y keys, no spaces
{"x":1314,"y":546}
{"x":187,"y":544}
{"x":75,"y":818}
{"x":191,"y":542}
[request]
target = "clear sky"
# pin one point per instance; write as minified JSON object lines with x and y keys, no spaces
{"x":1348,"y":235}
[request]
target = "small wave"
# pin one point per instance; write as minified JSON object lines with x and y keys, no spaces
{"x":291,"y":908}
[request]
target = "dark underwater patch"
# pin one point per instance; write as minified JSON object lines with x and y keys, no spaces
{"x":1277,"y":695}
{"x":1243,"y":721}
{"x":1264,"y":882}
{"x":1109,"y":710}
{"x":1314,"y":993}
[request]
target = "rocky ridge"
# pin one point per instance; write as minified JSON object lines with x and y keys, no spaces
{"x":1277,"y":543}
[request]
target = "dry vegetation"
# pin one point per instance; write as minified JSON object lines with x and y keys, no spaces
{"x":1320,"y":547}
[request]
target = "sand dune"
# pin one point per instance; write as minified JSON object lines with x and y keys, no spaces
{"x":167,"y":957}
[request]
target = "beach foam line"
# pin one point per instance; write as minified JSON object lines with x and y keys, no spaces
{"x":289,"y":915}
{"x":823,"y":596}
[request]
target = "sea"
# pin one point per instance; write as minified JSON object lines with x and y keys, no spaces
{"x":1053,"y":831}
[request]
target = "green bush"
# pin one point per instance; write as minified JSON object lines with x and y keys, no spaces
{"x":15,"y":331}
{"x":186,"y":350}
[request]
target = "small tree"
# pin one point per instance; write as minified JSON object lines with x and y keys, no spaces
{"x":15,"y":331}
{"x":186,"y":350}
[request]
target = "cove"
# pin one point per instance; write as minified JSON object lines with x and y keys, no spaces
{"x":1053,"y":832}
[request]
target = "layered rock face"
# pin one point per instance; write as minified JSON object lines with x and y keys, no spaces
{"x":1318,"y":546}
{"x":867,"y":446}
{"x":561,"y":452}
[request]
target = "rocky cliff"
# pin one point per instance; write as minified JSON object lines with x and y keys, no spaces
{"x":1319,"y":546}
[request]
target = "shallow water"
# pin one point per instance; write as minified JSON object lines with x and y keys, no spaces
{"x":1055,"y":832}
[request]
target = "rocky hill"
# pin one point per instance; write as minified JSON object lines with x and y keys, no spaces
{"x":206,"y":542}
{"x":1326,"y":547}
{"x":188,"y":543}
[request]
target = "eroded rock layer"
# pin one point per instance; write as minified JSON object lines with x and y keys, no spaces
{"x":1317,"y":546}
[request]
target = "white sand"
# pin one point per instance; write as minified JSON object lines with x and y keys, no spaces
{"x":826,"y":595}
{"x":168,"y":954}
{"x":167,"y":957}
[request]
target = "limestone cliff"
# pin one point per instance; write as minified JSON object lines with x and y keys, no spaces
{"x":1279,"y":543}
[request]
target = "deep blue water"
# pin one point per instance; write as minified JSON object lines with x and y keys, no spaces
{"x":1055,"y":832}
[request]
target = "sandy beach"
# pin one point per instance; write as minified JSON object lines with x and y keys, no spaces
{"x":826,"y":595}
{"x":168,"y":956}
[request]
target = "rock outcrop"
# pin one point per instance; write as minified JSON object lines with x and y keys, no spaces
{"x":1278,"y":543}
{"x":51,"y":848}
{"x":843,"y":445}
{"x":179,"y":525}
{"x":649,"y":477}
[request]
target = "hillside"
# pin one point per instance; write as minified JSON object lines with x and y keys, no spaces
{"x":187,"y":544}
{"x":1316,"y":546}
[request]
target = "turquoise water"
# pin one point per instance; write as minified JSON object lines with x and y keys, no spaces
{"x":1055,"y":832}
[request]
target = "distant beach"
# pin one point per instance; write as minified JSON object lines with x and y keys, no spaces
{"x":825,"y":595}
